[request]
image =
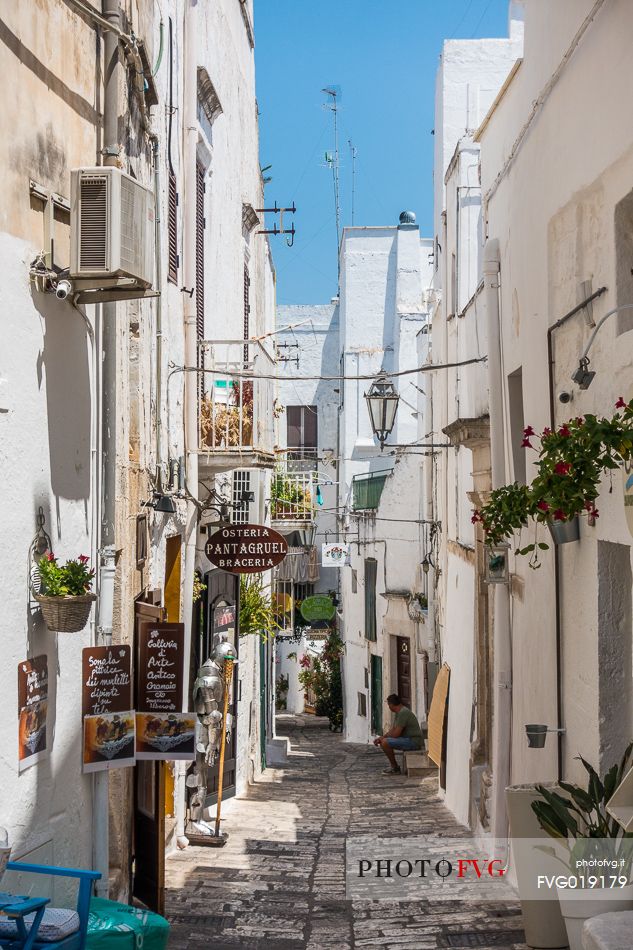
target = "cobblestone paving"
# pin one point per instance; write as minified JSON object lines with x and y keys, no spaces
{"x":279,"y":883}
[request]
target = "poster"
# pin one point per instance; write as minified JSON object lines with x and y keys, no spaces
{"x":163,"y":731}
{"x":108,"y":741}
{"x":106,"y":698}
{"x":334,"y":555}
{"x":32,"y":710}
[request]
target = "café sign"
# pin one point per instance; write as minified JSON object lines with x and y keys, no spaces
{"x":246,"y":548}
{"x":317,"y":607}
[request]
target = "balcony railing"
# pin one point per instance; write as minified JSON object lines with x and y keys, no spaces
{"x":236,"y":405}
{"x":367,"y":489}
{"x":293,"y":496}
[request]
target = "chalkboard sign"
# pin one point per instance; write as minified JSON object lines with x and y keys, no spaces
{"x":32,"y":709}
{"x":106,"y":680}
{"x":160,"y":667}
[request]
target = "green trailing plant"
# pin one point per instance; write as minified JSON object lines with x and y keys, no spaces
{"x":582,"y":817}
{"x":199,"y":587}
{"x":257,"y":612}
{"x":281,"y":692}
{"x":571,"y":463}
{"x":322,"y":675}
{"x":72,"y":579}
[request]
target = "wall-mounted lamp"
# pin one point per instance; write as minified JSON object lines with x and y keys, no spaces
{"x":427,"y":563}
{"x":161,"y":502}
{"x":496,"y":568}
{"x":382,"y":404}
{"x":583,"y":376}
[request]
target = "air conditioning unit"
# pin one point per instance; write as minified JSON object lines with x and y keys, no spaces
{"x":111,"y":227}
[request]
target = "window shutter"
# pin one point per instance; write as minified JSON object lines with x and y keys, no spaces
{"x":247,"y":310}
{"x":309,"y":427}
{"x":200,"y":224}
{"x":172,"y":229}
{"x":370,"y":598}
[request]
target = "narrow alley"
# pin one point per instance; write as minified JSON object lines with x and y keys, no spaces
{"x":279,"y":882}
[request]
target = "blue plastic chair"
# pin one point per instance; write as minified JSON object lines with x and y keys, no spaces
{"x":77,"y":940}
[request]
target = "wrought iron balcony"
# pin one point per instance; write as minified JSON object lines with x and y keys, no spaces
{"x":293,"y":497}
{"x":236,"y":407}
{"x":367,"y":489}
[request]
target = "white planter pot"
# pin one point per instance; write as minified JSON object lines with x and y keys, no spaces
{"x":577,"y":906}
{"x":5,"y":854}
{"x":544,"y":926}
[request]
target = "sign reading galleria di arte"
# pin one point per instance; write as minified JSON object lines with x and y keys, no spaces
{"x":32,"y":710}
{"x":246,"y":548}
{"x":106,"y":699}
{"x":163,"y":731}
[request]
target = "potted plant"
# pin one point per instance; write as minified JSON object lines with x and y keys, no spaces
{"x":288,"y":500}
{"x":257,"y":611}
{"x":591,"y":839}
{"x":572,"y":461}
{"x":64,"y":596}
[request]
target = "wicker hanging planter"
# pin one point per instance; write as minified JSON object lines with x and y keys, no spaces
{"x":65,"y":614}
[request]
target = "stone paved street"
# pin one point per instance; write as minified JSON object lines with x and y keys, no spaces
{"x":279,"y":881}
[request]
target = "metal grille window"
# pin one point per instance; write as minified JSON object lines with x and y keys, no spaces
{"x":247,"y":310}
{"x":371,"y":566}
{"x":172,"y":229}
{"x":241,"y":509}
{"x":200,"y":226}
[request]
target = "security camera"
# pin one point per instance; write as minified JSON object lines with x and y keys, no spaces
{"x":565,"y":397}
{"x":63,"y":288}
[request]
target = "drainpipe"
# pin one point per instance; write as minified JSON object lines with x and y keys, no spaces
{"x":101,"y":842}
{"x":502,"y":639}
{"x":158,"y":408}
{"x":190,"y":61}
{"x":429,"y":516}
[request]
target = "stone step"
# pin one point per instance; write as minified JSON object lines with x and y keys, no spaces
{"x":609,"y":931}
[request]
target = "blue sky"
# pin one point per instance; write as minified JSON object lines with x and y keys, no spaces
{"x":383,"y":55}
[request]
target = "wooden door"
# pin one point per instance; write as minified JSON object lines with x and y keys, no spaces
{"x":221,"y":624}
{"x":376,"y":695}
{"x":149,"y":802}
{"x":403,"y":648}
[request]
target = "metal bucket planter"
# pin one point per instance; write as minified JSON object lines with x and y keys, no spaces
{"x":65,"y":614}
{"x":536,"y":735}
{"x":563,"y":532}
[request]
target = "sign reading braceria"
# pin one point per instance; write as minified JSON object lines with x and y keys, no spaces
{"x":246,"y":548}
{"x":318,"y":607}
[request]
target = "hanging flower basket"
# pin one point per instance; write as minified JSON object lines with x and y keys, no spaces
{"x":65,"y":614}
{"x":64,"y":593}
{"x":563,"y":532}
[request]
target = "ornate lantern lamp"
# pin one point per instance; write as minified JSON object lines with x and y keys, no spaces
{"x":382,"y":403}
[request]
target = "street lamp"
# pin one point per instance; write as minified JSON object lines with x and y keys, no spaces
{"x":382,"y":403}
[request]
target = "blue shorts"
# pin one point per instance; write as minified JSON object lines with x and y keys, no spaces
{"x":406,"y":745}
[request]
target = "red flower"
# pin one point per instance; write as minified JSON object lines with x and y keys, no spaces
{"x":620,"y":404}
{"x":526,"y":444}
{"x":50,"y":556}
{"x":562,"y":468}
{"x":564,"y":430}
{"x":546,"y":431}
{"x":83,"y":559}
{"x":542,"y":505}
{"x":580,"y":421}
{"x":528,"y":431}
{"x":594,"y":513}
{"x":305,"y":661}
{"x":559,"y":515}
{"x":476,"y":517}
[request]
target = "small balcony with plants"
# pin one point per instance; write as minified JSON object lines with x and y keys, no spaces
{"x":292,"y":498}
{"x":236,"y":406}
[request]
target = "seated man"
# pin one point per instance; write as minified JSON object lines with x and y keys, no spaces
{"x":404,"y":734}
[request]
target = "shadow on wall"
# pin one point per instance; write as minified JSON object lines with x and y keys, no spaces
{"x":64,"y":366}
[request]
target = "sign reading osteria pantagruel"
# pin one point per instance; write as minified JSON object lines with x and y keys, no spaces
{"x":246,"y":548}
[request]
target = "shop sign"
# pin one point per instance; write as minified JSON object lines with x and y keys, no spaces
{"x":32,"y":710}
{"x":163,"y":731}
{"x":317,"y":607}
{"x":106,"y":699}
{"x":246,"y":548}
{"x":106,"y":680}
{"x":334,"y":555}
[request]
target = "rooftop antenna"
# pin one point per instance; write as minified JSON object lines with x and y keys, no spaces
{"x":332,"y":161}
{"x":352,"y":149}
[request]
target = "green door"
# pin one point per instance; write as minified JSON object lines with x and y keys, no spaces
{"x":376,"y":695}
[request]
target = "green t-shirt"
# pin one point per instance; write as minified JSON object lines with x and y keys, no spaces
{"x":407,"y":721}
